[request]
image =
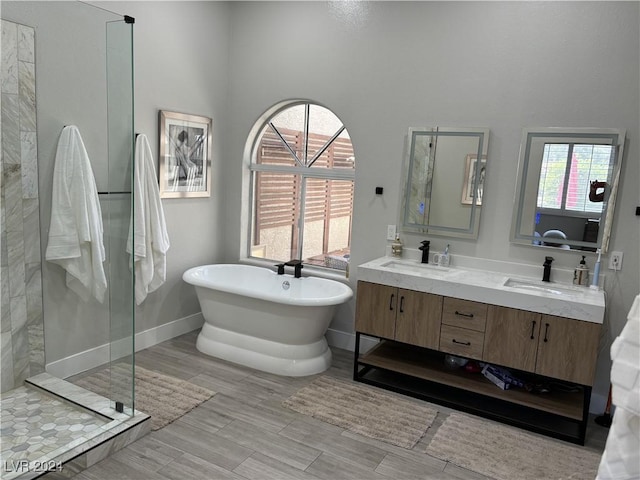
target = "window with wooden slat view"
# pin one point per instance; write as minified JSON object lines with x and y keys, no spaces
{"x":302,"y":171}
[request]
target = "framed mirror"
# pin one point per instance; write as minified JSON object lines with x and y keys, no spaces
{"x":444,"y":181}
{"x":566,"y":187}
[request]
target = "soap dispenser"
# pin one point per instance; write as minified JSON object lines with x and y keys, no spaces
{"x":581,"y":273}
{"x":396,"y":247}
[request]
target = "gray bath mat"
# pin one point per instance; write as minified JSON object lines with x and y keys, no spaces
{"x":507,"y":453}
{"x":364,"y":410}
{"x":162,"y":397}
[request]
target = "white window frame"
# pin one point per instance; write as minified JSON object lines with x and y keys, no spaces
{"x":251,"y":167}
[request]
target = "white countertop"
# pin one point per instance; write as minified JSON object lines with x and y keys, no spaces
{"x":491,"y":287}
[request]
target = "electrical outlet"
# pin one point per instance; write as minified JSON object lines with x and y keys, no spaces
{"x":391,"y":232}
{"x":615,"y":261}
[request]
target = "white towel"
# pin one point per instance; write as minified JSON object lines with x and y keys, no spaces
{"x":75,"y":233}
{"x":147,"y":229}
{"x":625,"y":371}
{"x":621,"y":457}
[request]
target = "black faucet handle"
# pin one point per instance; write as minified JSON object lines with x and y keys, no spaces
{"x":546,"y":275}
{"x":280,"y":267}
{"x":425,"y":244}
{"x":298,"y":270}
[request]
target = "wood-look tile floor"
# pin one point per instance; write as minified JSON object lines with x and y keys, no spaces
{"x":244,"y":433}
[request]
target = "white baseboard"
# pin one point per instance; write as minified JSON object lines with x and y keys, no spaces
{"x":167,"y":331}
{"x":79,"y":362}
{"x":101,"y":355}
{"x":347,"y":341}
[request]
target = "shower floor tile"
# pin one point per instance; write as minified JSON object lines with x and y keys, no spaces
{"x":36,"y":427}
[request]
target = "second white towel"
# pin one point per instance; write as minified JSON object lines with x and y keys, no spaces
{"x":148,"y":241}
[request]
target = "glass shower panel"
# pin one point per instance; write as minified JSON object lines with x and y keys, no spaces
{"x":118,"y":203}
{"x":82,"y":55}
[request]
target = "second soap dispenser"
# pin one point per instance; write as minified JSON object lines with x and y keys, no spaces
{"x":581,"y":273}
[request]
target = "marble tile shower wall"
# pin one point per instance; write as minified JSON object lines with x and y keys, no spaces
{"x":21,"y":332}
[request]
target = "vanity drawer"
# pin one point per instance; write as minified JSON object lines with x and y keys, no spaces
{"x":461,"y":341}
{"x":464,"y":314}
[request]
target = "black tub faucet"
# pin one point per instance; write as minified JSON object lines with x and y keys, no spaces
{"x":280,"y":267}
{"x":547,"y":269}
{"x":425,"y":250}
{"x":297,"y":265}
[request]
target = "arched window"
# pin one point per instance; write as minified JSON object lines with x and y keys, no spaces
{"x":302,"y":171}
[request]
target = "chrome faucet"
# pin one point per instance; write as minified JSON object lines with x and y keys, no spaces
{"x":547,"y":269}
{"x":297,"y":265}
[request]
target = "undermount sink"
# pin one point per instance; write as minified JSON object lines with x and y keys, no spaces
{"x":552,"y":288}
{"x":416,"y":268}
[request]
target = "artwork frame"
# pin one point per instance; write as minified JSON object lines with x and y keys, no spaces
{"x":185,"y":155}
{"x":471,"y":163}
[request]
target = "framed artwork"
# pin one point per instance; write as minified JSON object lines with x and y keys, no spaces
{"x":185,"y":155}
{"x":471,"y":165}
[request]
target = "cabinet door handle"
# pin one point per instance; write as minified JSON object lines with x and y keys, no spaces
{"x":546,"y":331}
{"x":468,"y":344}
{"x":461,"y":314}
{"x":402,"y":304}
{"x":391,"y":301}
{"x":533,"y":327}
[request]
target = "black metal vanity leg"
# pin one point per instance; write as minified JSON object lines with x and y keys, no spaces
{"x":355,"y":357}
{"x":585,"y":414}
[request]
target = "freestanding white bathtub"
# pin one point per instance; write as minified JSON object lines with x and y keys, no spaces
{"x":274,"y":323}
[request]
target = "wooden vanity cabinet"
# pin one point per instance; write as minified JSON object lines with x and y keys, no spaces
{"x":511,"y":338}
{"x":555,"y":347}
{"x":421,"y":328}
{"x":463,"y":326}
{"x":568,"y":349}
{"x":398,"y":314}
{"x":418,"y":318}
{"x":375,"y":311}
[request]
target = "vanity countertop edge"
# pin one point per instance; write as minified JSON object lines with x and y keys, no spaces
{"x":485,"y":286}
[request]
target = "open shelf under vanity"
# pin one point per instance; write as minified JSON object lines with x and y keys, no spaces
{"x":421,"y":373}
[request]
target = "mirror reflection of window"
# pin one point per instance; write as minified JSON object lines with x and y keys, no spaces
{"x":567,"y":174}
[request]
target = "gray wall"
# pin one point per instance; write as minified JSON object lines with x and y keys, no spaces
{"x":384,"y":67}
